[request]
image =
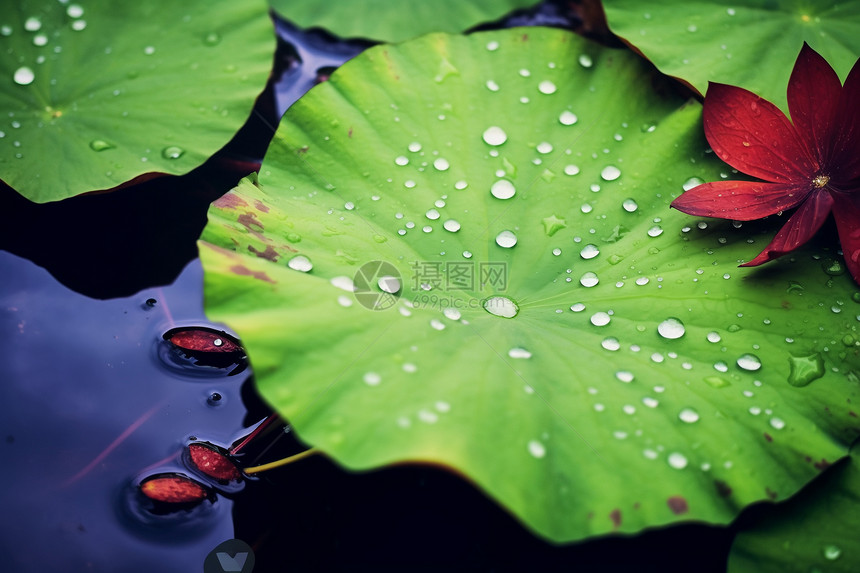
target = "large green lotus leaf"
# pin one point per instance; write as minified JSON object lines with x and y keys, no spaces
{"x":94,"y":95}
{"x":395,"y":20}
{"x":747,"y":43}
{"x":645,"y":378}
{"x":815,"y":531}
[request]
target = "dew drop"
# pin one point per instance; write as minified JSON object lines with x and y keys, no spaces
{"x":401,"y":160}
{"x":585,"y":61}
{"x":441,"y":164}
{"x":611,"y":344}
{"x":300,"y":263}
{"x":671,"y":328}
{"x":677,"y":460}
{"x":692,"y":182}
{"x":544,"y":147}
{"x":600,"y":318}
{"x":610,"y":173}
{"x":414,"y":147}
{"x":624,"y":376}
{"x":501,"y":306}
{"x":655,"y":231}
{"x":389,"y":284}
{"x":495,"y":136}
{"x":149,"y":50}
{"x":172,"y":152}
{"x":589,"y":280}
{"x":452,"y":313}
{"x":832,"y":552}
{"x":578,"y":307}
{"x":567,"y":117}
{"x":372,"y":379}
{"x":503,"y":189}
{"x":451,"y":226}
{"x":536,"y":449}
{"x":492,"y":86}
{"x":589,"y":251}
{"x":506,"y":239}
{"x":749,"y":362}
{"x":571,"y":170}
{"x":805,"y":369}
{"x":74,"y":11}
{"x":688,"y":415}
{"x":432,"y":214}
{"x":460,"y":185}
{"x":79,"y":25}
{"x":547,"y":87}
{"x":776,"y":423}
{"x":32,"y":24}
{"x":100,"y":145}
{"x":519,"y":353}
{"x":24,"y":76}
{"x":437,"y":324}
{"x":714,"y":337}
{"x":40,"y":40}
{"x":630,"y":205}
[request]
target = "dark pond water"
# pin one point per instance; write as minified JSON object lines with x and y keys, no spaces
{"x":93,"y":400}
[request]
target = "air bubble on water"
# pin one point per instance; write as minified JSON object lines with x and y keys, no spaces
{"x":519,"y":353}
{"x":589,"y":280}
{"x":571,"y":170}
{"x":300,"y":263}
{"x":441,"y":164}
{"x":567,"y":117}
{"x":547,"y":87}
{"x":589,"y":251}
{"x":630,"y":205}
{"x":24,"y":76}
{"x":671,"y":328}
{"x":503,"y":189}
{"x":677,"y":460}
{"x":688,"y":415}
{"x":501,"y":306}
{"x":610,"y":173}
{"x":536,"y":449}
{"x":585,"y":61}
{"x":544,"y":147}
{"x":749,"y":362}
{"x":494,"y":135}
{"x":372,"y":379}
{"x":600,"y":318}
{"x":172,"y":152}
{"x":506,"y":239}
{"x":32,"y":24}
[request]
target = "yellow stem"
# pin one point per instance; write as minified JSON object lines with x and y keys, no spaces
{"x":282,"y":462}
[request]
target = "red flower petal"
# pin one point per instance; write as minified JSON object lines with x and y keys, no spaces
{"x":213,"y":463}
{"x":799,"y":228}
{"x":813,"y":100}
{"x":754,"y":136}
{"x":740,"y":200}
{"x":847,"y":214}
{"x":845,"y":160}
{"x":171,"y":488}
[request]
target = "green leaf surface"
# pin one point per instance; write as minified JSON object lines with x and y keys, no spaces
{"x":747,"y":43}
{"x":94,"y":95}
{"x":589,"y":411}
{"x":395,"y":20}
{"x":813,"y":532}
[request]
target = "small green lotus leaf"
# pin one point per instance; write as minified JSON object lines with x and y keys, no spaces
{"x":748,"y":43}
{"x":460,"y":250}
{"x":814,"y":531}
{"x":395,"y":20}
{"x":94,"y":95}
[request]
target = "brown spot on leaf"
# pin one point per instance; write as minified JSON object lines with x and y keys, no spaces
{"x":350,"y":132}
{"x":615,"y":516}
{"x":260,"y":206}
{"x":768,"y":437}
{"x":269,"y":254}
{"x":249,"y":220}
{"x":822,"y":465}
{"x":852,"y":414}
{"x":229,"y":201}
{"x":525,"y":37}
{"x":723,"y":489}
{"x":636,"y":505}
{"x":770,"y":493}
{"x":678,"y":505}
{"x":245,"y":271}
{"x":302,"y":150}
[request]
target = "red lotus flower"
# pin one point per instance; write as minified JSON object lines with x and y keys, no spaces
{"x":812,"y":164}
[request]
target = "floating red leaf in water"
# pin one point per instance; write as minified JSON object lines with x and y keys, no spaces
{"x":173,"y":488}
{"x":213,"y":463}
{"x":812,"y":164}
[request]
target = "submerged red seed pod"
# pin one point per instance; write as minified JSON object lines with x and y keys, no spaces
{"x":213,"y":463}
{"x":174,"y":489}
{"x":202,"y":340}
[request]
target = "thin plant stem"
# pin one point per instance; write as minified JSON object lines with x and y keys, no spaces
{"x":281,"y":462}
{"x":268,"y":421}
